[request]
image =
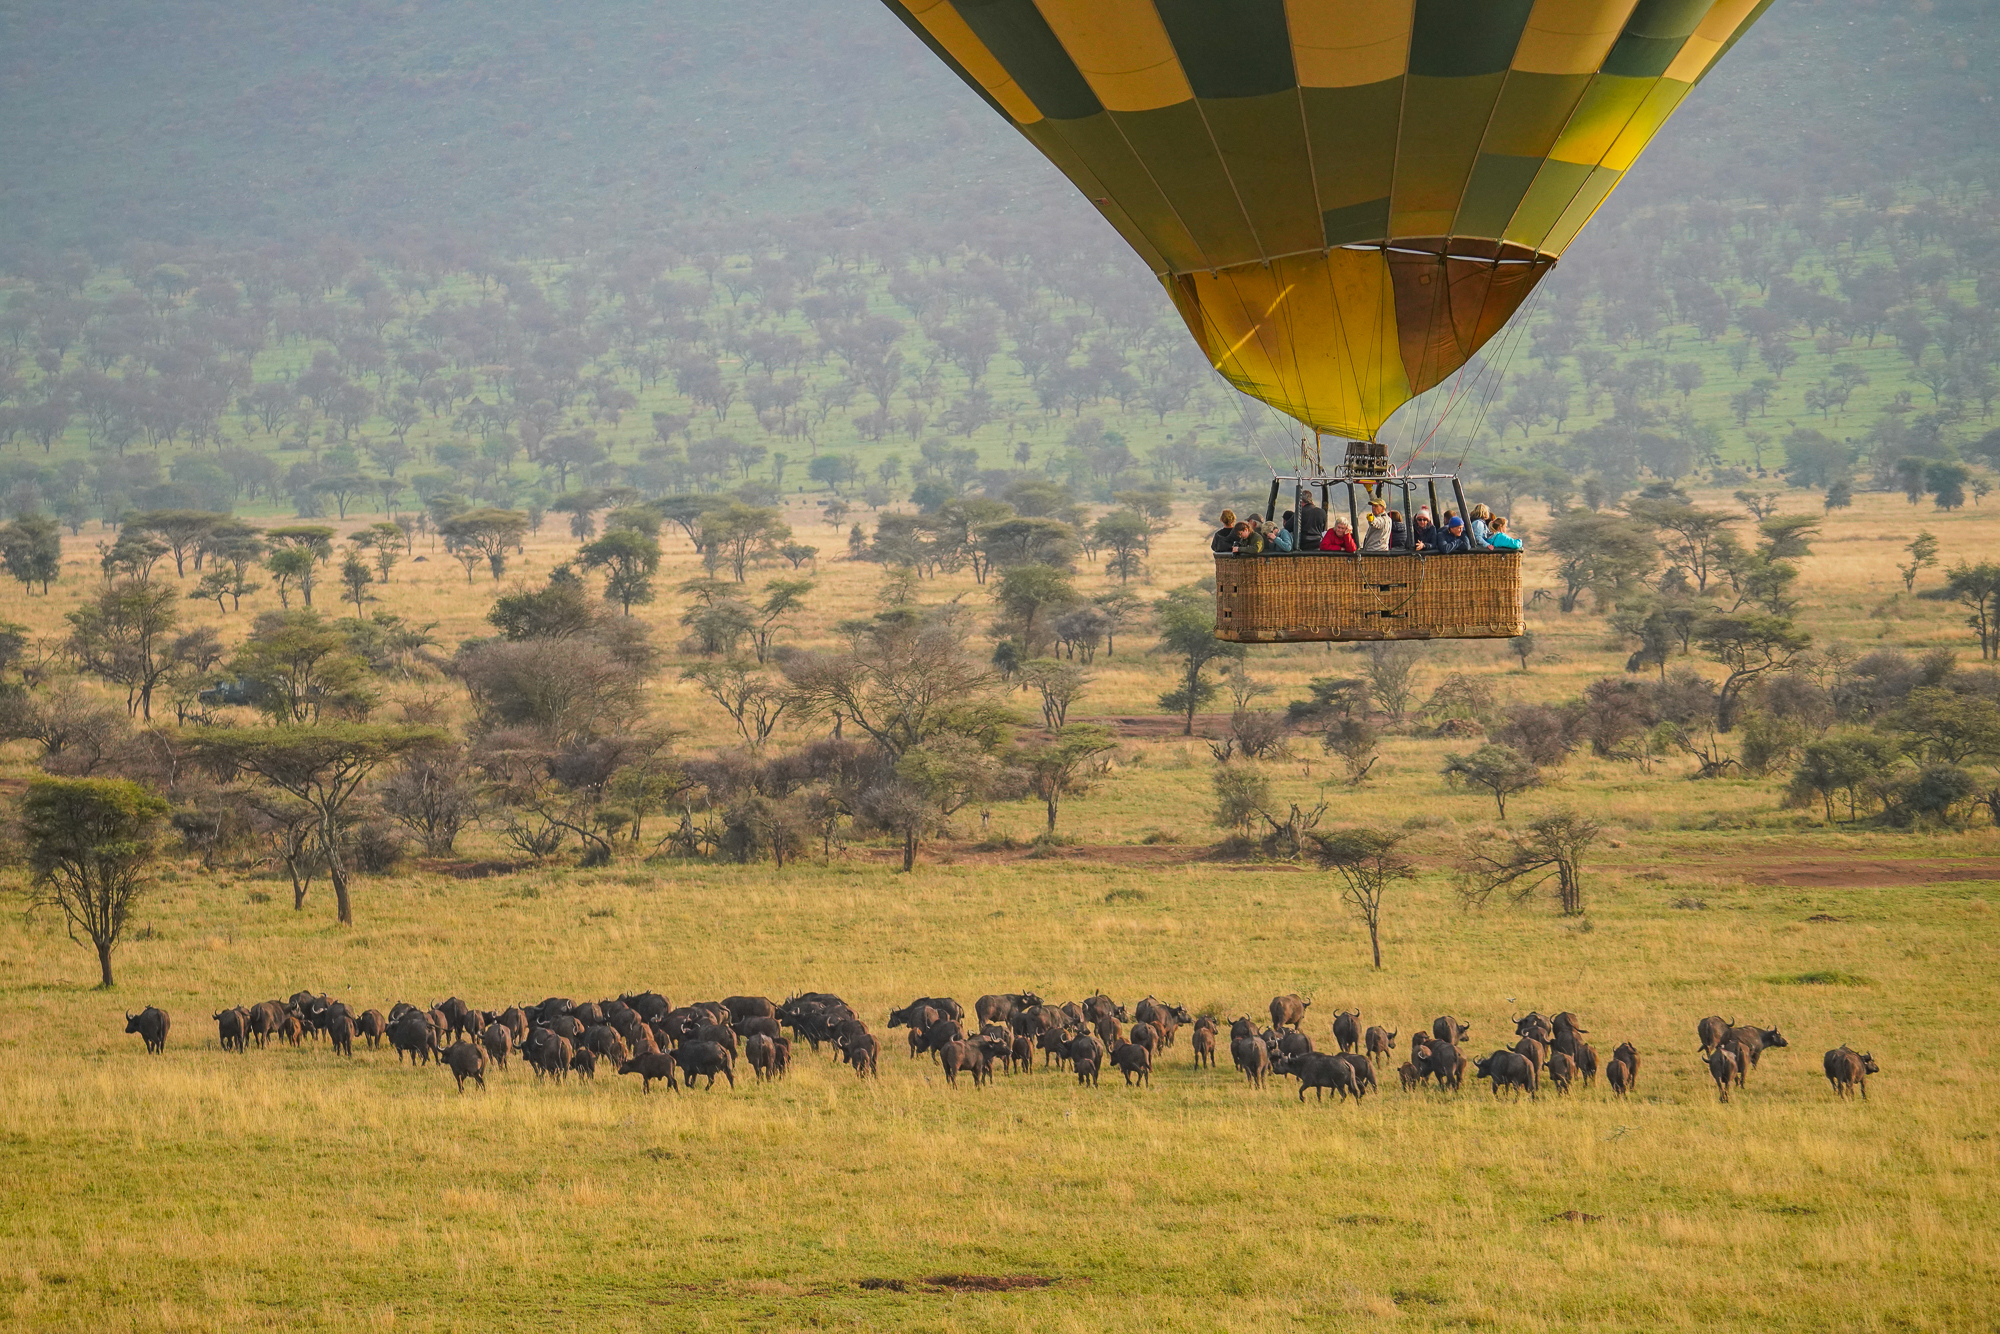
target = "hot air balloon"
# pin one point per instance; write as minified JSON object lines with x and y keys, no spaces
{"x":1345,"y":199}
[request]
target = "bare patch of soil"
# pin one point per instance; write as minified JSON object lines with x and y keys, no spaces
{"x":990,"y":1282}
{"x":1858,"y":872}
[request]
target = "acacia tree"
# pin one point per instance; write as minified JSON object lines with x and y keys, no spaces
{"x":1186,"y":622}
{"x":1977,"y":588}
{"x":1060,"y":768}
{"x":629,"y":559}
{"x":296,"y":554}
{"x":1501,"y":770}
{"x":490,"y":533}
{"x":123,"y":638}
{"x":1750,"y":647}
{"x":1367,"y":861}
{"x":323,"y":767}
{"x":89,"y":843}
{"x":1549,"y":848}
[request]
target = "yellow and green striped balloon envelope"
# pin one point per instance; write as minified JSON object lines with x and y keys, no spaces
{"x":1345,"y":198}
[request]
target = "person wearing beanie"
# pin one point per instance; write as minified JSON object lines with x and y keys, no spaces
{"x":1453,"y":542}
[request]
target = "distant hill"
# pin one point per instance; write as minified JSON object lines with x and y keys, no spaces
{"x":548,"y":129}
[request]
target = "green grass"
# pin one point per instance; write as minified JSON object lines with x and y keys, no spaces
{"x":1823,"y":977}
{"x":295,"y":1190}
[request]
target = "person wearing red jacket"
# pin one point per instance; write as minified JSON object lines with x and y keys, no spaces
{"x":1340,"y":537}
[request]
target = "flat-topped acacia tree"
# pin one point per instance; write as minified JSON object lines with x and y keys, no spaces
{"x":321,"y":766}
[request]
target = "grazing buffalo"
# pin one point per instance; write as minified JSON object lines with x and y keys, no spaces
{"x":705,"y":1058}
{"x":1847,"y":1070}
{"x":750,"y":1007}
{"x":548,"y":1053}
{"x":1252,"y":1057}
{"x":1629,"y":1055}
{"x":374,"y":1027}
{"x":862,"y":1053}
{"x":1347,"y":1030}
{"x":1722,"y":1069}
{"x":916,"y":1016}
{"x":998,"y":1009}
{"x":1102,"y":1006}
{"x":762,"y":1054}
{"x":466,"y":1061}
{"x":1320,"y":1072}
{"x":1288,"y":1010}
{"x":1443,"y":1062}
{"x":1133,"y":1059}
{"x":1446,"y":1028}
{"x":498,"y":1039}
{"x":151,"y":1024}
{"x":1204,"y":1047}
{"x":1562,"y":1070}
{"x":341,"y":1029}
{"x":1619,"y":1076}
{"x":1754,"y":1040}
{"x":649,"y":1067}
{"x":1380,"y":1043}
{"x":1712,"y":1031}
{"x":1086,"y":1057}
{"x":605,"y":1041}
{"x":1509,"y":1069}
{"x":1364,"y":1070}
{"x":233,"y":1028}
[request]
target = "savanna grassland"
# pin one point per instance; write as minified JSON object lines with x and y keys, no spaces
{"x":291,"y":1189}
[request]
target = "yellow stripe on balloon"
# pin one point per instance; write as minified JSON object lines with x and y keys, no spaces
{"x":1570,"y":36}
{"x":943,"y":23}
{"x":1122,"y":50}
{"x":1710,"y":36}
{"x":1348,"y":43}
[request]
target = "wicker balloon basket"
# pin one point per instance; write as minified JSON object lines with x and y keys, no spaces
{"x":1314,"y":598}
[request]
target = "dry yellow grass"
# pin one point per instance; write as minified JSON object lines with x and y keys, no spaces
{"x":289,"y":1190}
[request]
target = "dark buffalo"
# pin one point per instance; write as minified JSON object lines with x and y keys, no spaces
{"x":1446,"y":1028}
{"x":749,"y":1007}
{"x":567,"y":1026}
{"x":997,"y":1009}
{"x":1443,"y":1062}
{"x":466,"y":1061}
{"x":151,"y":1024}
{"x":1241,"y":1028}
{"x":548,"y":1011}
{"x":1618,"y":1075}
{"x":1102,"y":1006}
{"x":412,"y":1035}
{"x":1755,"y":1040}
{"x":232,"y":1029}
{"x":588,"y":1013}
{"x":1629,"y":1055}
{"x":1321,"y":1072}
{"x":1586,"y":1063}
{"x":1204,"y":1047}
{"x":910,"y":1015}
{"x":1144,"y":1035}
{"x":1347,"y":1030}
{"x":1380,"y":1043}
{"x":607,"y":1042}
{"x":651,"y":1005}
{"x":1107,"y":1030}
{"x":1712,"y":1031}
{"x":583,"y":1061}
{"x":1740,"y":1054}
{"x":1288,"y":1010}
{"x":1290,"y":1043}
{"x":1533,"y":1025}
{"x":498,"y":1039}
{"x":1364,"y":1070}
{"x":1252,"y":1057}
{"x":863,"y":1053}
{"x":919,"y":1024}
{"x":1133,"y":1059}
{"x":374,"y":1027}
{"x":267,"y":1019}
{"x":1568,"y":1030}
{"x":455,"y":1013}
{"x":1509,"y":1069}
{"x":706,"y":1058}
{"x":1562,"y":1070}
{"x":1086,"y":1057}
{"x":548,"y":1053}
{"x":1410,"y":1075}
{"x":1847,"y":1070}
{"x":722,"y":1035}
{"x":1534,"y":1050}
{"x":940,"y":1034}
{"x":649,"y":1067}
{"x":1020,"y":1053}
{"x":341,"y":1029}
{"x":759,"y":1025}
{"x":1722,"y":1069}
{"x":762,"y":1054}
{"x":1055,"y":1045}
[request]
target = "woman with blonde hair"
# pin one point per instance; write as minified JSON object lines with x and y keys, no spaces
{"x":1476,"y":530}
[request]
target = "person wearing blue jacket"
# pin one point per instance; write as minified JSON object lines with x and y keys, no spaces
{"x":1498,"y":535}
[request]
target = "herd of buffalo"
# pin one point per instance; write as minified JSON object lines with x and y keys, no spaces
{"x":643,"y":1034}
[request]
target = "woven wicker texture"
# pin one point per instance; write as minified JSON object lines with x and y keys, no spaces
{"x":1312,"y":598}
